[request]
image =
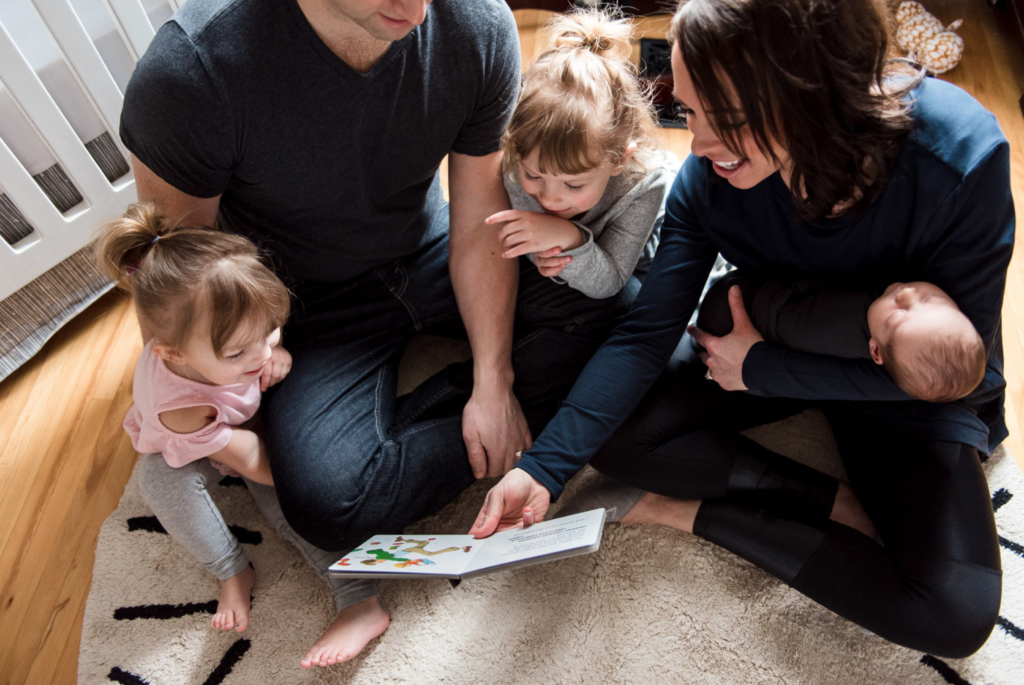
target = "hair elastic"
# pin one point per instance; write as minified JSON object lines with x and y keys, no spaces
{"x":132,"y":269}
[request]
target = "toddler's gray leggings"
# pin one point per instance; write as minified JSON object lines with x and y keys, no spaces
{"x":180,"y":501}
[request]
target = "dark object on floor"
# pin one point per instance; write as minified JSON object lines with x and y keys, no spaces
{"x":656,"y":67}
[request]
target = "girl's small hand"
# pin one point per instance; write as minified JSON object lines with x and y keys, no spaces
{"x":724,"y":356}
{"x":277,"y":368}
{"x":551,"y":262}
{"x":525,"y":232}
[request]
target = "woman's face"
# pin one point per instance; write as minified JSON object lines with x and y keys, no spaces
{"x":743,"y":168}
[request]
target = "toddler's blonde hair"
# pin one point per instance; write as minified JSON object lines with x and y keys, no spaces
{"x":582,"y":96}
{"x":183,"y":276}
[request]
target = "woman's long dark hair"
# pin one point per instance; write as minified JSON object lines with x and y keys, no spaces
{"x":813,"y":75}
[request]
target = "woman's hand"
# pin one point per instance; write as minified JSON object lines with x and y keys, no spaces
{"x":277,"y":368}
{"x":525,"y":232}
{"x":724,"y":356}
{"x":517,"y":500}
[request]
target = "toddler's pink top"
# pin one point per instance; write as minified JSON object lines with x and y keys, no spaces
{"x":156,"y":390}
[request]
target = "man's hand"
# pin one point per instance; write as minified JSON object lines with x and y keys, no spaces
{"x":724,"y":356}
{"x":494,"y":429}
{"x":527,"y":232}
{"x":518,"y":500}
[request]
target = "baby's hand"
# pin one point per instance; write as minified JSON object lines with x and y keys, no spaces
{"x":277,"y":368}
{"x":525,"y":232}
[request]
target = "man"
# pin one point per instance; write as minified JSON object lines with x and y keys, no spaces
{"x":316,"y":127}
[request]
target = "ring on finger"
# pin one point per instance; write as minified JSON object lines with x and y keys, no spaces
{"x":708,"y":375}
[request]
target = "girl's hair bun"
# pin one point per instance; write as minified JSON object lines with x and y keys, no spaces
{"x":603,"y":34}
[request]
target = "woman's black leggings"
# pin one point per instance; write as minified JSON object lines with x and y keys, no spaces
{"x":936,"y":583}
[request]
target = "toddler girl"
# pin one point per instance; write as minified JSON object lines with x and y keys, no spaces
{"x":212,"y":314}
{"x":583,"y":169}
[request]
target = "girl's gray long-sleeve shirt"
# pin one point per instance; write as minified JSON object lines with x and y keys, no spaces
{"x":621,"y":230}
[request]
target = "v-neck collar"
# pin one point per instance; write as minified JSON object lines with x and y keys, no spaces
{"x":395,"y":49}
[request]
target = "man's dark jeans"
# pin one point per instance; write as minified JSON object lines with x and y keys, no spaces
{"x":349,"y":459}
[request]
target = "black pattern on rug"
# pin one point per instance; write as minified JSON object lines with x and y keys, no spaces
{"x":152,"y":525}
{"x":125,"y":678}
{"x":165,"y":611}
{"x":1012,"y":546}
{"x":227,"y":664}
{"x":944,"y":670}
{"x":1000,"y":497}
{"x":1010,"y":628}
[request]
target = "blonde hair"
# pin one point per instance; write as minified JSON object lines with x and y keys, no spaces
{"x":182,"y":276}
{"x":582,"y":95}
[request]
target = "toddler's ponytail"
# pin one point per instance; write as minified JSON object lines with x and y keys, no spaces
{"x":121,"y":244}
{"x":597,"y":32}
{"x":582,"y":104}
{"x":184,"y":277}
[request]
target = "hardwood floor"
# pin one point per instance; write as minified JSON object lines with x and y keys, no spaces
{"x":64,"y":459}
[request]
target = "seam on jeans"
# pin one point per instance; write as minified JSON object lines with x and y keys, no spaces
{"x":529,"y":339}
{"x":431,"y":424}
{"x":399,"y":294}
{"x":429,"y":402}
{"x":575,"y":318}
{"x":376,"y":405}
{"x":399,"y":291}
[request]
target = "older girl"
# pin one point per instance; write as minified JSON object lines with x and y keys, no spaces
{"x":583,"y":168}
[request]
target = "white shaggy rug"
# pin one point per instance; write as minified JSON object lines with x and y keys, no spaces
{"x":652,"y":606}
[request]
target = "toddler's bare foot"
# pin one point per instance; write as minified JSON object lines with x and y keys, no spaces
{"x":348,"y":634}
{"x":233,"y":603}
{"x":848,"y":511}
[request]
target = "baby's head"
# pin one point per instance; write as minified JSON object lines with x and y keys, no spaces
{"x":205,"y":296}
{"x":927,"y":345}
{"x":582,"y":117}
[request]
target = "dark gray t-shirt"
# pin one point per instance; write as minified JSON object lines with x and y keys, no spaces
{"x":326,"y":167}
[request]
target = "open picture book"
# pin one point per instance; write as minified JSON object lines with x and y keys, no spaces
{"x":457,"y":557}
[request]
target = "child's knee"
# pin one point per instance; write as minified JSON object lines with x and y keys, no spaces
{"x":158,"y":480}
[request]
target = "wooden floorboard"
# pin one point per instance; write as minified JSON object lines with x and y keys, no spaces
{"x":64,"y":459}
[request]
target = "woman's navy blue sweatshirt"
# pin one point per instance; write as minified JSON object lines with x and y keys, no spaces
{"x":946,"y":217}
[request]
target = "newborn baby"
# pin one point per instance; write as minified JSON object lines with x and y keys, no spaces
{"x":914,"y":330}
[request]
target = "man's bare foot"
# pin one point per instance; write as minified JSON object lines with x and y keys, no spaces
{"x":676,"y":513}
{"x":848,"y":511}
{"x":233,"y":603}
{"x":348,"y":634}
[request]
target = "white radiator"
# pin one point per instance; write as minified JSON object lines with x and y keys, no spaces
{"x":64,"y":65}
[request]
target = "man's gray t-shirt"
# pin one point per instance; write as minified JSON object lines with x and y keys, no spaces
{"x":326,"y":167}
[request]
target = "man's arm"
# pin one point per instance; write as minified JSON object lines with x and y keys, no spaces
{"x":173,"y":203}
{"x":485,"y":284}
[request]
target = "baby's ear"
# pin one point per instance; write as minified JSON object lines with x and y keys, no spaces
{"x":876,"y":352}
{"x":168,"y":353}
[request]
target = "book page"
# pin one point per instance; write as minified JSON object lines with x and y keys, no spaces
{"x":542,"y":539}
{"x":411,"y":555}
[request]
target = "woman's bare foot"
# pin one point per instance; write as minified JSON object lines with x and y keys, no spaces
{"x":233,"y":603}
{"x":676,"y":513}
{"x":348,"y":634}
{"x":848,"y":511}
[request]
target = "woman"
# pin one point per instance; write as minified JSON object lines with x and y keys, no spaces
{"x":811,"y":157}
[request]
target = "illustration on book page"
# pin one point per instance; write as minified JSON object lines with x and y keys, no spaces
{"x":443,"y":554}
